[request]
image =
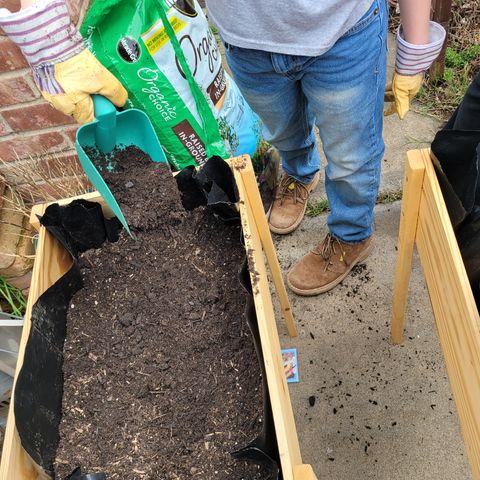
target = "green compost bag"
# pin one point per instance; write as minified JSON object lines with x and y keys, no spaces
{"x":172,"y":70}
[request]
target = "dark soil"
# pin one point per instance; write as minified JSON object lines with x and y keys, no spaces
{"x":161,"y":377}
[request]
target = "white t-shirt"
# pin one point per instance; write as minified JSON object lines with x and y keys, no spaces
{"x":294,"y":27}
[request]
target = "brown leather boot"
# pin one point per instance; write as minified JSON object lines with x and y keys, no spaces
{"x":326,"y":265}
{"x":288,"y":208}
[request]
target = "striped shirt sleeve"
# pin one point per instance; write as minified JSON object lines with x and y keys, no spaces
{"x":44,"y":32}
{"x":413,"y":59}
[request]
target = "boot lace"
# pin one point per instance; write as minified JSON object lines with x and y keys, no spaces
{"x":329,"y":248}
{"x":291,"y":188}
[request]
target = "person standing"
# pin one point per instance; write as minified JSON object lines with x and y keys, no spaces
{"x":301,"y":63}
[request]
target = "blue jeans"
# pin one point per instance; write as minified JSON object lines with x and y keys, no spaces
{"x":341,"y":92}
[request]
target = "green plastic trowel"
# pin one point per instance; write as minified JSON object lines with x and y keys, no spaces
{"x":112,"y":129}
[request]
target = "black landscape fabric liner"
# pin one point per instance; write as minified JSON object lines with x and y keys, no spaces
{"x":80,"y":226}
{"x":213,"y":185}
{"x":77,"y":475}
{"x":456,"y":158}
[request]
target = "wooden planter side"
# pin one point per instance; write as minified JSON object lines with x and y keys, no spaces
{"x":425,"y":221}
{"x":52,"y":261}
{"x":254,"y":224}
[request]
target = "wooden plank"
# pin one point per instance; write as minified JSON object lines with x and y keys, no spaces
{"x":304,"y":472}
{"x":51,"y":262}
{"x":412,"y":188}
{"x":287,"y":439}
{"x":454,"y":309}
{"x":442,"y":12}
{"x":19,"y":462}
{"x":245,"y":168}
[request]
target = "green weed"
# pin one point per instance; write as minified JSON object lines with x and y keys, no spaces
{"x":389,"y":197}
{"x":317,"y":207}
{"x":13,"y":297}
{"x":442,"y":96}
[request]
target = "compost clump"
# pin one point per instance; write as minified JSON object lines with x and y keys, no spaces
{"x":161,"y":378}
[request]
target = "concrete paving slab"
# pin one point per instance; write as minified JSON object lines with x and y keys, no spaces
{"x":382,"y":412}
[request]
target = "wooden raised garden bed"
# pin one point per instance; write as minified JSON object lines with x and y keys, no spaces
{"x":425,"y":222}
{"x":53,"y":261}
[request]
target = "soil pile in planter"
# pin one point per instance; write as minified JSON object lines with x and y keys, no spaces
{"x":161,"y":376}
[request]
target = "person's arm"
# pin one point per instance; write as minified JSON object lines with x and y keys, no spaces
{"x":415,"y":19}
{"x":419,"y":41}
{"x":65,"y":71}
{"x":27,"y":3}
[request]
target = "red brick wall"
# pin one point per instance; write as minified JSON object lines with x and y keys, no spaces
{"x":29,"y":126}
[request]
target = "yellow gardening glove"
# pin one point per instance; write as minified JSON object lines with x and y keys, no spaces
{"x":80,"y":77}
{"x":65,"y":72}
{"x":402,"y":89}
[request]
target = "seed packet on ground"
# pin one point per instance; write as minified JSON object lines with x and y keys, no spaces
{"x":290,"y":364}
